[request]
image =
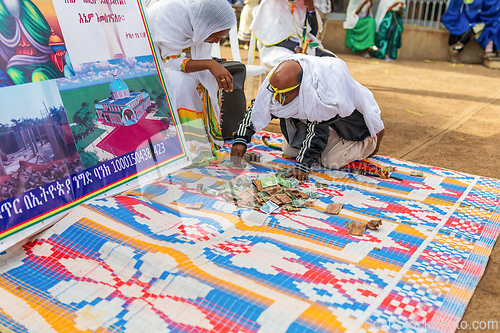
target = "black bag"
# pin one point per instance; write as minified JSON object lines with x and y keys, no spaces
{"x":234,"y":103}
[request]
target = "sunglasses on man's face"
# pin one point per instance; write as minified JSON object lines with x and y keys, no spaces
{"x":279,"y":94}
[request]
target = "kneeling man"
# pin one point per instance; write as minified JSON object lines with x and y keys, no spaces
{"x":324,"y":114}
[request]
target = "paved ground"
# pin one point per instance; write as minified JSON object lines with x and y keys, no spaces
{"x":445,"y":115}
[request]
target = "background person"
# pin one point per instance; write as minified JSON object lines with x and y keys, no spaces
{"x":389,"y":24}
{"x":282,"y":26}
{"x":360,"y":26}
{"x":246,"y":18}
{"x":460,"y":19}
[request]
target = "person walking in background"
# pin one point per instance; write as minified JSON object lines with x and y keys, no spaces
{"x":284,"y":27}
{"x":183,"y":31}
{"x":389,"y":25}
{"x":360,"y":26}
{"x":246,"y":18}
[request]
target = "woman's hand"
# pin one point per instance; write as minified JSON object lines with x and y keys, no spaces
{"x":222,"y":75}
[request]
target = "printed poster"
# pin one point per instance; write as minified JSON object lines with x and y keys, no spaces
{"x":84,"y":109}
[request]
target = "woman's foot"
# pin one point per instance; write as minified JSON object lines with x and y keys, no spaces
{"x":454,"y":51}
{"x":388,"y":59}
{"x":367,"y":55}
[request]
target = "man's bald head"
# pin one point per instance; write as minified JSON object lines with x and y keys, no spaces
{"x":286,"y":75}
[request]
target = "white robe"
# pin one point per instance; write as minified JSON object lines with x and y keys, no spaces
{"x":273,"y":22}
{"x":352,"y":18}
{"x":178,"y":24}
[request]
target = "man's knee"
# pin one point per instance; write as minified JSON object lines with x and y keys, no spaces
{"x":333,"y":161}
{"x":287,"y":150}
{"x":347,"y":153}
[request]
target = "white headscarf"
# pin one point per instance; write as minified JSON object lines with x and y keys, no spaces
{"x":274,"y":22}
{"x":179,"y":24}
{"x":382,"y":9}
{"x":327,"y":90}
{"x":351,"y":18}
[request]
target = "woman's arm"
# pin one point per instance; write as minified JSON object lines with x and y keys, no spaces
{"x":396,"y":4}
{"x":363,"y":4}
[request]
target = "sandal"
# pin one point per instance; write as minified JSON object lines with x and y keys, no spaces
{"x":489,"y":55}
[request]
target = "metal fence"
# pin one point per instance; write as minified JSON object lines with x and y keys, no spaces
{"x":425,"y":13}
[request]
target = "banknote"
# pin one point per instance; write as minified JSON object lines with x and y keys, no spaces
{"x":299,"y":203}
{"x":269,"y":181}
{"x":356,"y":228}
{"x":196,"y":205}
{"x":211,"y":191}
{"x":333,"y":208}
{"x":270,"y":208}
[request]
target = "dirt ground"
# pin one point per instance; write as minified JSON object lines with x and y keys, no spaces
{"x":444,"y":115}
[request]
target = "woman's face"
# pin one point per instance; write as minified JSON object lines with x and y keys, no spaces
{"x":216,"y":36}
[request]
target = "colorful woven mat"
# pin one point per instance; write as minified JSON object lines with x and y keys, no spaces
{"x":143,"y":262}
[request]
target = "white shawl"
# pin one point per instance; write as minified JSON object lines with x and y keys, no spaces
{"x":178,"y":24}
{"x":351,"y":18}
{"x":327,"y":90}
{"x":274,"y":22}
{"x":382,"y":9}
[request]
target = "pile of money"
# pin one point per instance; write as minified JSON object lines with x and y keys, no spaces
{"x":251,"y":157}
{"x":266,"y":192}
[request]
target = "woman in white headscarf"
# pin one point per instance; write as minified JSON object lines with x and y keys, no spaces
{"x":282,"y":28}
{"x":360,"y":26}
{"x":389,"y":21}
{"x":183,"y":32}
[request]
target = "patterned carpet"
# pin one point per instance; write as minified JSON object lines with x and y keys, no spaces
{"x":143,"y":262}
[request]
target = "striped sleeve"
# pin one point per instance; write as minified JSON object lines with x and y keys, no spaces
{"x":245,"y":128}
{"x":313,"y":145}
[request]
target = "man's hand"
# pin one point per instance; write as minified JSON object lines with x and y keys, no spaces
{"x":237,"y":152}
{"x":309,"y":4}
{"x":298,"y":174}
